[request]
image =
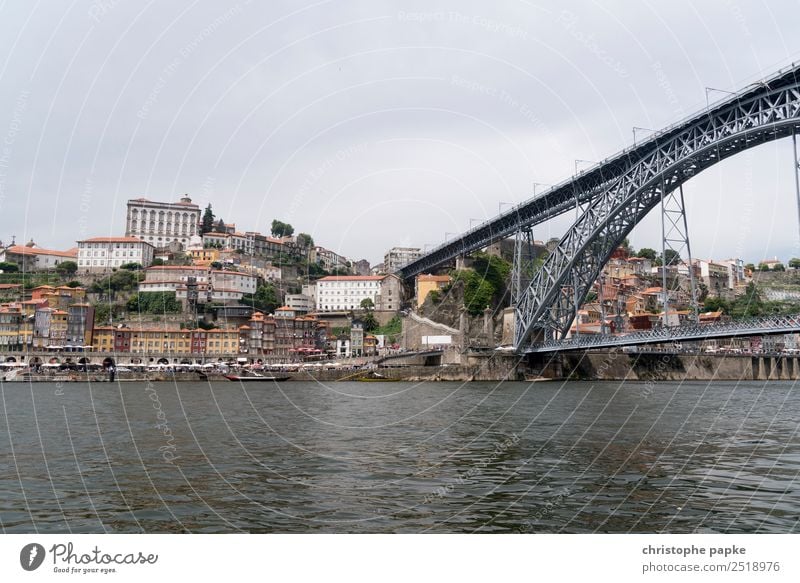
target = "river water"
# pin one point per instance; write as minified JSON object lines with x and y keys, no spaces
{"x":400,"y":457}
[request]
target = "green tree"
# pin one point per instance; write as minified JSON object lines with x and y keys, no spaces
{"x":207,"y":224}
{"x":220,"y":228}
{"x":264,"y":300}
{"x":8,"y":267}
{"x":367,"y":304}
{"x":131,"y":266}
{"x":750,"y":266}
{"x":715,"y":304}
{"x":305,"y":240}
{"x":647,"y":253}
{"x":122,"y":280}
{"x":778,"y":267}
{"x":157,"y":262}
{"x":478,"y":292}
{"x":281,"y":229}
{"x":763,"y":267}
{"x":671,"y":257}
{"x":369,"y":321}
{"x":794,"y":263}
{"x":67,"y":267}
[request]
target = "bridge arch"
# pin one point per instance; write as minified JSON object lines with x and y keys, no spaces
{"x":546,"y":306}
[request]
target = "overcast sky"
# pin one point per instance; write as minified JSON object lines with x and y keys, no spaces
{"x":372,"y":124}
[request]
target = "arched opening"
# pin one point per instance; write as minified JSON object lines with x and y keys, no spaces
{"x":163,"y":361}
{"x":108,"y":362}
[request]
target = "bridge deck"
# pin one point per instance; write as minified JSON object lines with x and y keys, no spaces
{"x":765,"y":325}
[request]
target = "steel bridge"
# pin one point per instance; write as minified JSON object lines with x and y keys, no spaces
{"x":614,"y":196}
{"x":761,"y":326}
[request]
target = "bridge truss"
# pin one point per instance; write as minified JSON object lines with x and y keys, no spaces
{"x":616,"y":195}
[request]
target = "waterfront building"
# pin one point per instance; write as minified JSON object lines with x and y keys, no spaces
{"x":160,"y":223}
{"x":30,"y":257}
{"x":398,"y":257}
{"x":357,"y":338}
{"x":346,"y":292}
{"x":106,"y":253}
{"x":10,"y":323}
{"x":80,"y":323}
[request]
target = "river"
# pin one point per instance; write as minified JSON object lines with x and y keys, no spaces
{"x":400,"y":457}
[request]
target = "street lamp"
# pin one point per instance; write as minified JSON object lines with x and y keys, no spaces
{"x":500,"y":206}
{"x":535,"y":184}
{"x":635,"y":128}
{"x":473,"y":220}
{"x":579,"y":161}
{"x":709,"y":89}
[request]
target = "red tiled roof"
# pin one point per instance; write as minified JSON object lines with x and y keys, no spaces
{"x":22,"y":250}
{"x":113,"y":240}
{"x":353,"y":277}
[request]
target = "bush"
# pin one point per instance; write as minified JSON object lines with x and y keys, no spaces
{"x":154,"y":303}
{"x":67,"y":267}
{"x":8,"y":267}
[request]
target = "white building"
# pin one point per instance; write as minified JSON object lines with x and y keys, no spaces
{"x":32,"y":258}
{"x":160,"y":223}
{"x":346,"y":292}
{"x":105,"y":253}
{"x":300,"y":302}
{"x":398,"y":257}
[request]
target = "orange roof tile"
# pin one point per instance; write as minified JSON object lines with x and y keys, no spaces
{"x":113,"y":240}
{"x":353,"y":277}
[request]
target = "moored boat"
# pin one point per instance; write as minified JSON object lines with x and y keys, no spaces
{"x":255,"y":377}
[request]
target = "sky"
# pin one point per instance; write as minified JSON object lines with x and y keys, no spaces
{"x":372,"y":124}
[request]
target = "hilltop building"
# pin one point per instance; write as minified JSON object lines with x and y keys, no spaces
{"x":160,"y":223}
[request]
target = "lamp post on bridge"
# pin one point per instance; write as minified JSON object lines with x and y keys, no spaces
{"x":579,"y":161}
{"x":500,"y":206}
{"x":535,"y":184}
{"x":710,"y":89}
{"x":641,"y":129}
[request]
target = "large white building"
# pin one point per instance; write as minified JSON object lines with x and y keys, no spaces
{"x":346,"y":292}
{"x":105,"y":253}
{"x":161,"y":223}
{"x":398,"y":257}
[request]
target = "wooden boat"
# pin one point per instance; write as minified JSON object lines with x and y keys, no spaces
{"x":255,"y":377}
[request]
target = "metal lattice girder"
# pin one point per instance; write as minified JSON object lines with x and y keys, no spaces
{"x":760,"y":326}
{"x":750,"y":115}
{"x":672,"y":159}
